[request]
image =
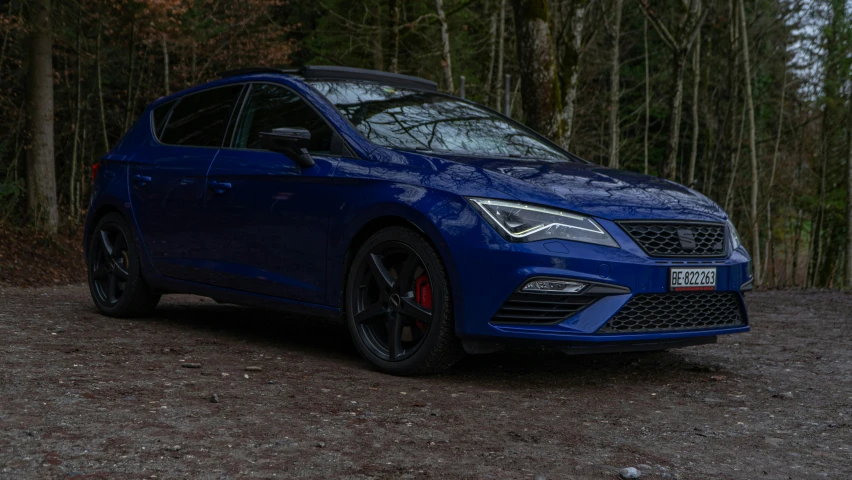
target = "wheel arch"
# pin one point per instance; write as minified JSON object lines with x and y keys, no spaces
{"x":105,"y":206}
{"x":389,"y":216}
{"x":95,"y":216}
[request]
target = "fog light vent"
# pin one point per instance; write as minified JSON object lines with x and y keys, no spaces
{"x":553,"y":286}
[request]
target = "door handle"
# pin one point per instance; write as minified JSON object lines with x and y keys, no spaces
{"x":219,"y":187}
{"x":141,"y":180}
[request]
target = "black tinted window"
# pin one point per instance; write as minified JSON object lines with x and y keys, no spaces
{"x":270,"y":107}
{"x":160,"y":115}
{"x":200,"y":119}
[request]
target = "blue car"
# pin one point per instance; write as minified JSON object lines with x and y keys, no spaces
{"x":431,"y":225}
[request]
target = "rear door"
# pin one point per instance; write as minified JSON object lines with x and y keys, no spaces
{"x":167,"y":178}
{"x":266,"y":218}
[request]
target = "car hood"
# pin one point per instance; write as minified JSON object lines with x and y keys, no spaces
{"x":592,"y":189}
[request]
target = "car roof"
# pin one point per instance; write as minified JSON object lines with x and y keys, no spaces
{"x":325,"y":72}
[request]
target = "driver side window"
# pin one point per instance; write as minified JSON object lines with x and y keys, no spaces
{"x":271,"y":106}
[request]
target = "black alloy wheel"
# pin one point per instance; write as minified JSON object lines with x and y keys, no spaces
{"x":398,"y":307}
{"x":389,"y":318}
{"x":110,"y":265}
{"x":115,"y":278}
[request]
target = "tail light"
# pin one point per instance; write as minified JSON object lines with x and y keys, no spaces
{"x":95,"y":167}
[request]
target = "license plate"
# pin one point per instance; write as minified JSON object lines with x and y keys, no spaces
{"x":692,"y":279}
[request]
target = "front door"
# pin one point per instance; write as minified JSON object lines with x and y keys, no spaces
{"x":266,"y":218}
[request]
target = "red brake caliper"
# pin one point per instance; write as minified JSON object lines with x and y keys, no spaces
{"x":423,"y":293}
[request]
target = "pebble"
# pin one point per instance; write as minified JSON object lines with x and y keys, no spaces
{"x":629,"y":472}
{"x":191,"y":365}
{"x":787,"y":395}
{"x":540,"y":477}
{"x":214,"y":398}
{"x":173,"y":448}
{"x":254,"y":369}
{"x":320,"y":444}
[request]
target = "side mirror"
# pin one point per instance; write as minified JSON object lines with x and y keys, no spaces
{"x":292,"y":142}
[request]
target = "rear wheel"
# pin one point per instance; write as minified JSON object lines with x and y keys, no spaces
{"x":115,"y":273}
{"x":398,"y":305}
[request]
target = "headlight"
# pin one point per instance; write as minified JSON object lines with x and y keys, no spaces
{"x":518,"y":222}
{"x":736,"y":242}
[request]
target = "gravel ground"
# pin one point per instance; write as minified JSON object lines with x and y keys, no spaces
{"x":212,"y":391}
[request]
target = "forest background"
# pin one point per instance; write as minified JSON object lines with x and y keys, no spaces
{"x":747,"y":101}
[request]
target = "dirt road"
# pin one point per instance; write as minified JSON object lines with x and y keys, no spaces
{"x":85,"y":396}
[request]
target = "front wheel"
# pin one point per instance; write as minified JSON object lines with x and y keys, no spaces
{"x":398,"y":305}
{"x":115,"y":273}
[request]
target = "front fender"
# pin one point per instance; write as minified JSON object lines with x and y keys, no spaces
{"x":434,"y":213}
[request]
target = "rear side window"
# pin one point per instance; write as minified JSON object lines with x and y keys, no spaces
{"x":270,"y":107}
{"x":161,"y":114}
{"x":200,"y":119}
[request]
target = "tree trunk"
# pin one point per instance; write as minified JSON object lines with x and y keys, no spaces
{"x":73,"y":201}
{"x":614,"y":85}
{"x":101,"y":90}
{"x":41,"y":173}
{"x":755,"y":179}
{"x":794,"y":270}
{"x":539,"y":84}
{"x":492,"y":48}
{"x":696,"y":81}
{"x":378,"y":42}
{"x":446,"y":61}
{"x":815,"y":247}
{"x":128,"y":110}
{"x":501,"y":39}
{"x":165,"y":65}
{"x":570,"y":66}
{"x":393,"y":13}
{"x":735,"y":161}
{"x":6,"y":35}
{"x":679,"y":46}
{"x":849,"y":197}
{"x":675,"y":103}
{"x":647,"y":91}
{"x":770,"y":244}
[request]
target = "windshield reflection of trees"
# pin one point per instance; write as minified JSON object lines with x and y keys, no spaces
{"x":416,"y":120}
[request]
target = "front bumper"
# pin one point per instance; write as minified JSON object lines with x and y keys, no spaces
{"x":492,"y":270}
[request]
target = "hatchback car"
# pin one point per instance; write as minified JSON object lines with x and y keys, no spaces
{"x":432,"y":225}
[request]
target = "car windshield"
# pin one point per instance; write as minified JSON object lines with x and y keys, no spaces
{"x":416,"y":120}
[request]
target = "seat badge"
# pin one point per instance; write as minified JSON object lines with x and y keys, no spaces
{"x":687,"y":239}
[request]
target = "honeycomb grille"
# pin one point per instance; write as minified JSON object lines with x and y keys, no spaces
{"x":677,"y":311}
{"x":678,"y":239}
{"x":540,"y":308}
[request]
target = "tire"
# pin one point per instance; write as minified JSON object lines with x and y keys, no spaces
{"x":380,"y":304}
{"x":115,"y":271}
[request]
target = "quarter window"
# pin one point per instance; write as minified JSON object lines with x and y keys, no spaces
{"x":161,"y":113}
{"x":270,"y":107}
{"x":200,"y":119}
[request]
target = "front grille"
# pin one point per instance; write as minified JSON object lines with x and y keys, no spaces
{"x":540,"y":308}
{"x":658,"y":312}
{"x":660,"y":239}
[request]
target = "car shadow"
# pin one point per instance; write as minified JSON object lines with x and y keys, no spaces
{"x":329,"y":340}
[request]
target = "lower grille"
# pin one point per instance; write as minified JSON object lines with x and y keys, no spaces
{"x":541,"y":308}
{"x":677,"y":311}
